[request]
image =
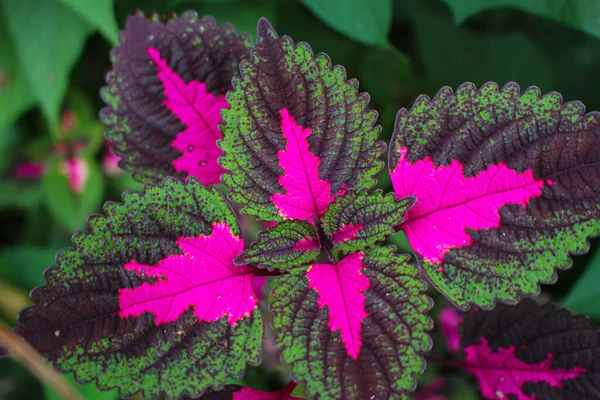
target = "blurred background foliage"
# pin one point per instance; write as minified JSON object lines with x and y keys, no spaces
{"x":55,"y":168}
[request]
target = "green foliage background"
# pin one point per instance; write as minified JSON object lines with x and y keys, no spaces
{"x":54,"y":54}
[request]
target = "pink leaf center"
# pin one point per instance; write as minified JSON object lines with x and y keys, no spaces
{"x":341,"y":286}
{"x":501,"y":373}
{"x":449,"y":203}
{"x":200,"y":112}
{"x":306,"y":244}
{"x":346,"y":232}
{"x":306,"y":194}
{"x":203,"y":277}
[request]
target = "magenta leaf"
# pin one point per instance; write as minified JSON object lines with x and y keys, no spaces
{"x":364,"y":315}
{"x":341,"y":287}
{"x":532,"y":352}
{"x":507,"y":187}
{"x":149,"y":295}
{"x":237,"y":392}
{"x":288,"y":244}
{"x":165,"y":94}
{"x":360,"y":219}
{"x":297,"y":133}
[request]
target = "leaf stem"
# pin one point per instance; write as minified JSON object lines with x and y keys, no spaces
{"x":35,"y":363}
{"x":449,"y":363}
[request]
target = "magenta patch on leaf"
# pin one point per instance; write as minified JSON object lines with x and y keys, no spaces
{"x":501,"y":373}
{"x":200,"y":112}
{"x":449,"y":320}
{"x":203,"y":277}
{"x":341,"y":286}
{"x":346,"y":232}
{"x":306,"y":195}
{"x":306,"y":244}
{"x":255,"y":394}
{"x":449,"y":203}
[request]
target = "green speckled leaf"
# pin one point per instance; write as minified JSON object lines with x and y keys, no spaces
{"x":133,"y":306}
{"x":508,"y":186}
{"x":289,"y":244}
{"x":358,"y":220}
{"x":296,"y":133}
{"x":386,"y":354}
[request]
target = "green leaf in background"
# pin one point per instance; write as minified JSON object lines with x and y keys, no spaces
{"x":48,"y":38}
{"x":9,"y":138}
{"x":15,"y":94}
{"x":584,"y":296}
{"x":452,"y":56}
{"x":23,"y":266}
{"x":88,"y":392}
{"x":243,"y":15}
{"x":292,"y":20}
{"x":367,"y":21}
{"x":579,"y":14}
{"x":99,"y":13}
{"x":69,"y":208}
{"x":19,"y":194}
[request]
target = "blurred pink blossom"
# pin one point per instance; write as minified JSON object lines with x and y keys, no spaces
{"x":430,"y":391}
{"x":77,"y":172}
{"x":30,"y":170}
{"x":110,"y":161}
{"x":449,"y":320}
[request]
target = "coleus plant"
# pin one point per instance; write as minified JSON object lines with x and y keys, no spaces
{"x":494,"y":189}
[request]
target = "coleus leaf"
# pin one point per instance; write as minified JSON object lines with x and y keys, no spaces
{"x":149,"y":299}
{"x":297,"y":133}
{"x":165,"y":94}
{"x":289,"y":244}
{"x":354,"y":329}
{"x":237,"y":392}
{"x":508,"y":186}
{"x":528,"y":352}
{"x":358,"y":220}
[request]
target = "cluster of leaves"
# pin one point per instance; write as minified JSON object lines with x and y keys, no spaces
{"x":494,"y":190}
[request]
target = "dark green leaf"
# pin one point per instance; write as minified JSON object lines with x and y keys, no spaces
{"x":452,"y":55}
{"x":584,"y":296}
{"x":366,"y":21}
{"x":48,"y":37}
{"x":579,"y":14}
{"x":99,"y":13}
{"x":15,"y":92}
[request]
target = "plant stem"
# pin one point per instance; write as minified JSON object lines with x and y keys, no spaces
{"x":12,"y":301}
{"x":35,"y":363}
{"x":449,"y":363}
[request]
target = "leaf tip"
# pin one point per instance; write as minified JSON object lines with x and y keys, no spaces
{"x":265,"y":31}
